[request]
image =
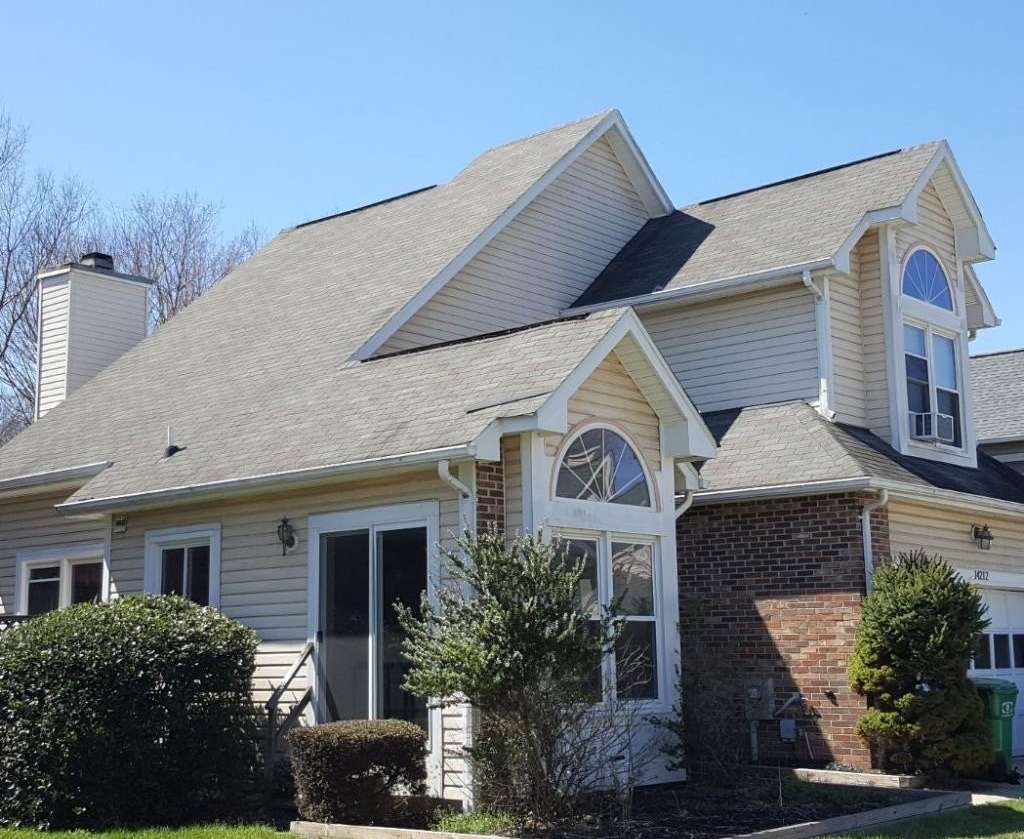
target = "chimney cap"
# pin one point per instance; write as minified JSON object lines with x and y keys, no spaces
{"x":97,"y":259}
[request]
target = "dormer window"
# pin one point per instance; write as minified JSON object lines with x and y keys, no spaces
{"x":933,"y":392}
{"x":600,"y":465}
{"x":924,"y":280}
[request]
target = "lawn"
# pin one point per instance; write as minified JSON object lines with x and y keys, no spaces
{"x":213,"y":831}
{"x":992,"y":821}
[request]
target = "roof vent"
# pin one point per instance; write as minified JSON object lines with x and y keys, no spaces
{"x":95,"y":259}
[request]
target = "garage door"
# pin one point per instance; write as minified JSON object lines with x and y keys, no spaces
{"x":1001,"y":653}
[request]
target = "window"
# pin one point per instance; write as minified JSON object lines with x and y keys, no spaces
{"x":620,"y":574}
{"x":52,"y":578}
{"x":600,"y":465}
{"x":184,"y":561}
{"x":924,"y":279}
{"x":933,"y":394}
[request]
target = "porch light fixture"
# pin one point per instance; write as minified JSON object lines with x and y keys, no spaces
{"x":286,"y":535}
{"x":983,"y":536}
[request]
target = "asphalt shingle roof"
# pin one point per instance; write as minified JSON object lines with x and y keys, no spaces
{"x":791,"y":443}
{"x":997,"y":388}
{"x":253,"y":377}
{"x":797,"y":221}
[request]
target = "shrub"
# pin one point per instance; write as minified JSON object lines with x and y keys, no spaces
{"x":910,"y":659}
{"x":479,"y":821}
{"x":134,"y":711}
{"x":348,"y":771}
{"x":511,"y":637}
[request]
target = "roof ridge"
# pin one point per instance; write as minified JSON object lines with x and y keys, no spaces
{"x":398,"y":197}
{"x":602,"y":114}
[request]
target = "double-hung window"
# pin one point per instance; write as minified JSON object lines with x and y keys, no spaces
{"x":620,"y":574}
{"x":933,"y":392}
{"x":52,"y":578}
{"x":184,"y":561}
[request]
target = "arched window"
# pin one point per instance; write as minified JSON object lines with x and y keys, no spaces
{"x":924,"y":279}
{"x":600,"y":465}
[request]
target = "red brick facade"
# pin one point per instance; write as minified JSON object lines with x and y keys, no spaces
{"x":772,"y":589}
{"x":490,"y":495}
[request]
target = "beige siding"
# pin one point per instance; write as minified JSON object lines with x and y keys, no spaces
{"x":542,"y":261}
{"x":512,"y":461}
{"x":610,"y":395}
{"x":948,"y":532}
{"x":876,"y":375}
{"x":31,"y":522}
{"x":849,"y":397}
{"x":55,"y":295}
{"x":108,"y":318}
{"x":747,"y":350}
{"x":934,"y":229}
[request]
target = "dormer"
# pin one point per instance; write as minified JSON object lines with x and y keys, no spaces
{"x":89,"y":315}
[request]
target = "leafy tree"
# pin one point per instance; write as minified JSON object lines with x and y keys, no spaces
{"x":910,"y":659}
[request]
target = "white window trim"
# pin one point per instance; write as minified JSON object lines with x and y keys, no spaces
{"x":65,"y":556}
{"x":931,"y":311}
{"x":605,"y":586}
{"x":178,"y":537}
{"x":389,"y":517}
{"x":930,"y":331}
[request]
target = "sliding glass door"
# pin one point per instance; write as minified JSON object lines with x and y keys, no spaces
{"x":363,"y":573}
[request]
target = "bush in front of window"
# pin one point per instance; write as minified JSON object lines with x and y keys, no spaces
{"x":136,"y":711}
{"x":910,"y":659}
{"x":511,"y":635}
{"x":350,"y":772}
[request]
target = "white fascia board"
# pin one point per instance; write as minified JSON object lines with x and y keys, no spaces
{"x":653,"y":194}
{"x":637,"y":166}
{"x":870,"y":219}
{"x":994,"y":441}
{"x":989,"y":317}
{"x":191,"y":492}
{"x":711,"y":496}
{"x":54,"y":477}
{"x":950,"y":498}
{"x":722,"y":287}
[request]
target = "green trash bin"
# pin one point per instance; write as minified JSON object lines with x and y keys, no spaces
{"x":1000,"y":698}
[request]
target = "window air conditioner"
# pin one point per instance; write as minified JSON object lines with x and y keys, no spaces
{"x":933,"y":426}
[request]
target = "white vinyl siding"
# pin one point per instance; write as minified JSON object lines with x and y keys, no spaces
{"x":108,"y":318}
{"x":749,"y":350}
{"x":31,"y":523}
{"x":934,"y":229}
{"x":54,"y":299}
{"x":849,"y":397}
{"x":876,"y":374}
{"x":512,"y":469}
{"x":542,"y":261}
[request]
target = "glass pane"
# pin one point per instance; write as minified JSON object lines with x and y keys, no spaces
{"x":173,"y":579}
{"x":403,"y":578}
{"x":579,"y":475}
{"x":43,"y":596}
{"x":636,"y":669}
{"x":345,"y":622}
{"x":86,"y":582}
{"x":982,"y":653}
{"x":1001,"y":644}
{"x":913,"y":340}
{"x":600,"y":465}
{"x":944,"y":359}
{"x":626,"y":482}
{"x":1018,"y":651}
{"x":949,"y":403}
{"x":49,"y":572}
{"x":924,"y":279}
{"x":917,"y":397}
{"x":633,"y":578}
{"x":917,"y":368}
{"x":577,"y":549}
{"x":199,"y":574}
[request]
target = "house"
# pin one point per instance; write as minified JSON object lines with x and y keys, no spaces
{"x":997,"y":381}
{"x":734,"y":408}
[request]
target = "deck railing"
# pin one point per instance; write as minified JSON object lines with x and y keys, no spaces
{"x":275,"y":730}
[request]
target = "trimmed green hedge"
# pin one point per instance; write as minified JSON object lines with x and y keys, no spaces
{"x":137,"y":711}
{"x":348,"y":771}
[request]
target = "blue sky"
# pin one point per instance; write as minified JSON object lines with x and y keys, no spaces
{"x":284,"y":112}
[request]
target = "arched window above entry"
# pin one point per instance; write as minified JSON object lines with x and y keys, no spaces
{"x":924,"y":279}
{"x":599,"y":465}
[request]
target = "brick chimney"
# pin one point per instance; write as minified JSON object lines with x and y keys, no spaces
{"x":89,"y":315}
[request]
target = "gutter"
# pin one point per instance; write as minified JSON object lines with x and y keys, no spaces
{"x":444,"y":473}
{"x":707,"y":288}
{"x":685,"y":504}
{"x":54,"y":476}
{"x":191,"y":492}
{"x":865,"y":524}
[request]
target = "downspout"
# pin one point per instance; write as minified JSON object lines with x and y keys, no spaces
{"x":865,"y":524}
{"x":823,"y":335}
{"x":685,"y":504}
{"x":444,"y":473}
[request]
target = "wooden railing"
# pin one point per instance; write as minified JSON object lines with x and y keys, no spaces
{"x":275,"y":730}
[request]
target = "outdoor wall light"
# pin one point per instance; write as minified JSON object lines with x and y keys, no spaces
{"x":983,"y":536}
{"x":286,"y":536}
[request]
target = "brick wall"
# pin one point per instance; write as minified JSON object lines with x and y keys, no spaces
{"x":772,"y":590}
{"x":490,"y":495}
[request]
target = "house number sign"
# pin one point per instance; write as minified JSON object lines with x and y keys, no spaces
{"x":980,"y":575}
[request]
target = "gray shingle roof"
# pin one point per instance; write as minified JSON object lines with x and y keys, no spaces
{"x":802,"y":220}
{"x":997,"y":387}
{"x":791,"y":443}
{"x":252,"y":377}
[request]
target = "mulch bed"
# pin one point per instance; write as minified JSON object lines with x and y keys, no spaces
{"x":689,"y":811}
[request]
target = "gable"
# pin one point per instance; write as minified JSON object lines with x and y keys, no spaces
{"x":542,"y":260}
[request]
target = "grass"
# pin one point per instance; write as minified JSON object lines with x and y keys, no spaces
{"x":991,"y":821}
{"x":480,"y":822}
{"x":209,"y":831}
